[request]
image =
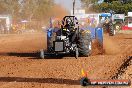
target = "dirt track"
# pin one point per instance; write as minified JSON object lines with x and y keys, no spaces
{"x":27,"y":70}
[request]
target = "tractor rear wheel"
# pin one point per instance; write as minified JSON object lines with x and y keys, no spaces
{"x":84,"y":43}
{"x":111,"y":30}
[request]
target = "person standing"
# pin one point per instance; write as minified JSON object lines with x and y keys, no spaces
{"x":2,"y":29}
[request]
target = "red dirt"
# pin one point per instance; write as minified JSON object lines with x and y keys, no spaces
{"x":22,"y":43}
{"x":97,"y":49}
{"x":28,"y":71}
{"x":111,"y":46}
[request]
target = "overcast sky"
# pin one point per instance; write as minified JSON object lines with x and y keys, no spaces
{"x":68,"y":4}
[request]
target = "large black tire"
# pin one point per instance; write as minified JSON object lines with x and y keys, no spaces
{"x":111,"y":30}
{"x":84,"y":43}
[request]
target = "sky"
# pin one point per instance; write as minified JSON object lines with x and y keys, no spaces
{"x":68,"y":4}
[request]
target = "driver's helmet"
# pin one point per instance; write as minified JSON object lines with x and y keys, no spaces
{"x":68,"y":21}
{"x":107,"y":20}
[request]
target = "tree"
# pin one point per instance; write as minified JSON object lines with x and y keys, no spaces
{"x":118,"y":6}
{"x":2,"y":8}
{"x":86,"y":3}
{"x":9,"y":7}
{"x":25,"y":9}
{"x":35,"y":8}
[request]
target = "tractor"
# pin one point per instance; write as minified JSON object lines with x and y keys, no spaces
{"x":128,"y":22}
{"x":69,"y":38}
{"x":118,"y":21}
{"x":105,"y":20}
{"x":112,"y":23}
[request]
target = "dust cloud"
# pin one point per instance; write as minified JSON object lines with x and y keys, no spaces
{"x":57,"y":11}
{"x":110,"y":46}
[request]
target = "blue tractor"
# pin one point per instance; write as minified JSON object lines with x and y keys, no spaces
{"x":105,"y":20}
{"x":70,"y":39}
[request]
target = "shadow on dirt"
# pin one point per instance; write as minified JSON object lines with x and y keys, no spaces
{"x":23,"y":54}
{"x":35,"y":55}
{"x":40,"y":80}
{"x":127,"y":38}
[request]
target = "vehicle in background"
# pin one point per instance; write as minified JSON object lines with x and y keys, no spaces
{"x":128,"y":22}
{"x":106,"y":21}
{"x":118,"y":21}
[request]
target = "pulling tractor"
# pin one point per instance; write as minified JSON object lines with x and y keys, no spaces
{"x":107,"y":24}
{"x":112,"y":23}
{"x":68,"y":39}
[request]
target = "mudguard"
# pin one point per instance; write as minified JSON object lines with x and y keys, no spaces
{"x":92,"y":31}
{"x":96,"y":33}
{"x":99,"y":35}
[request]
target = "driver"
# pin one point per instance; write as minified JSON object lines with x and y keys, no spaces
{"x":68,"y":23}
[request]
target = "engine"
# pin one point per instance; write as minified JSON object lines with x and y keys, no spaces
{"x":65,"y":36}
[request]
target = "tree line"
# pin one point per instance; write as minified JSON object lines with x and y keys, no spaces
{"x":26,"y":9}
{"x":118,"y":6}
